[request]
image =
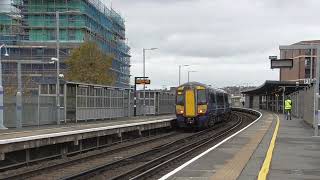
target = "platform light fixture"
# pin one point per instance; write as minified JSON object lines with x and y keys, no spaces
{"x":184,"y":65}
{"x":53,"y":60}
{"x":144,"y":75}
{"x":1,"y":87}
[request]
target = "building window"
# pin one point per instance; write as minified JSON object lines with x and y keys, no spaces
{"x":307,"y":62}
{"x":39,"y":51}
{"x":52,"y":89}
{"x":72,"y":34}
{"x":51,"y":35}
{"x":72,"y":18}
{"x":308,"y":52}
{"x":44,"y":89}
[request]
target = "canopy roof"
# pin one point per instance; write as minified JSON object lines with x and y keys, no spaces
{"x":275,"y":87}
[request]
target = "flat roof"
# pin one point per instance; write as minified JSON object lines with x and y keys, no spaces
{"x":274,"y":87}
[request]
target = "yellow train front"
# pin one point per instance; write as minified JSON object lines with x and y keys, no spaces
{"x":200,"y":106}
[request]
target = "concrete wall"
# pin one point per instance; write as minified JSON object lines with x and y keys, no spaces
{"x":307,"y":105}
{"x":246,"y":101}
{"x":303,"y":104}
{"x":255,"y":102}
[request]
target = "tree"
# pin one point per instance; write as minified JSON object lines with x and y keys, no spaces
{"x":89,"y":64}
{"x":11,"y":85}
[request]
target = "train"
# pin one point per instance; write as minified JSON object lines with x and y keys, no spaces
{"x":201,"y":106}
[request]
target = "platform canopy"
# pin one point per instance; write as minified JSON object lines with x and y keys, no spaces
{"x":276,"y":87}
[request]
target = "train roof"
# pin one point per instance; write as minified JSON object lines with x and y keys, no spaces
{"x":204,"y":85}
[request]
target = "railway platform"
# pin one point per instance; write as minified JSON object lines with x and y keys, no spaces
{"x":262,"y":150}
{"x":69,"y":138}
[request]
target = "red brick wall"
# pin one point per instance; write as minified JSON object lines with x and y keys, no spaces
{"x":298,"y":70}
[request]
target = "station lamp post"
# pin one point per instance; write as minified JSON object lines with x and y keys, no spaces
{"x":189,"y":74}
{"x":1,"y":87}
{"x":58,"y":76}
{"x":184,"y":65}
{"x":144,"y":75}
{"x":57,"y":59}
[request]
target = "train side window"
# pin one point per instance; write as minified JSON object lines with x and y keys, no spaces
{"x":226,"y":99}
{"x":212,"y":98}
{"x":220,"y":99}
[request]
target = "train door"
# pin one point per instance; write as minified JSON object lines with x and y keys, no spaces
{"x":190,"y":103}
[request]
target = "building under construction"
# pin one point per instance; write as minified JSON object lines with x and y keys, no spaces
{"x":28,"y":27}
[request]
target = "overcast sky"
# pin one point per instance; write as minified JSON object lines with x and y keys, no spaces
{"x":226,"y":41}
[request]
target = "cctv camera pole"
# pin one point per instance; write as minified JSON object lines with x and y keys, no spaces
{"x":58,"y":69}
{"x":19,"y":99}
{"x":1,"y":93}
{"x":144,"y":85}
{"x":135,"y":97}
{"x":316,"y":95}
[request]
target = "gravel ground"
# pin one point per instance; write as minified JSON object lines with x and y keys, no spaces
{"x":103,"y":159}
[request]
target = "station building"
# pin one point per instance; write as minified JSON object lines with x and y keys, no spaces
{"x":295,"y":82}
{"x":28,"y":27}
{"x":302,"y":61}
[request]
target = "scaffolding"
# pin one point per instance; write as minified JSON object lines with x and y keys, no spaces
{"x":30,"y":28}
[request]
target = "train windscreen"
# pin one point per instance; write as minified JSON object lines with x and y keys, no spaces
{"x":180,"y":98}
{"x":201,"y":97}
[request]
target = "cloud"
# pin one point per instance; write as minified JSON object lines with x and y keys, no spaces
{"x":224,"y":38}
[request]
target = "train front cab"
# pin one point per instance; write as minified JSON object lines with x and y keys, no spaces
{"x":191,"y":106}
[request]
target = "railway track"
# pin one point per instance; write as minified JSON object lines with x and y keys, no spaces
{"x":146,"y":163}
{"x":156,"y":165}
{"x":149,"y":163}
{"x":30,"y":172}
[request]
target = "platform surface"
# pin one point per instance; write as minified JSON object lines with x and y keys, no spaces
{"x":296,"y":154}
{"x":63,"y":128}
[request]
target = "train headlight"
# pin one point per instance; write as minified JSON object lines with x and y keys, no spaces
{"x":202,"y":109}
{"x":179,"y":109}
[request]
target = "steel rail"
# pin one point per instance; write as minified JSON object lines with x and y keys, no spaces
{"x":154,"y":166}
{"x":104,"y":152}
{"x":143,"y":154}
{"x":97,"y":170}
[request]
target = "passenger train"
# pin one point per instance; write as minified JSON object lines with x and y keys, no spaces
{"x":200,"y":106}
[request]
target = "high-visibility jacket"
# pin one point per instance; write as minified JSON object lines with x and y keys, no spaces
{"x":287,"y":104}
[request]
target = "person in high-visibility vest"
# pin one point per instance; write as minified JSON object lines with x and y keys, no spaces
{"x":288,"y":107}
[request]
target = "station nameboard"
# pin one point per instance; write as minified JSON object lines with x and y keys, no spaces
{"x":143,"y":81}
{"x":281,"y":63}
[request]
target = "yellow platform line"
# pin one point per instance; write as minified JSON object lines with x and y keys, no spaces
{"x":267,"y":161}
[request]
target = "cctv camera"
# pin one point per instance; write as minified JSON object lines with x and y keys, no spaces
{"x":61,"y":76}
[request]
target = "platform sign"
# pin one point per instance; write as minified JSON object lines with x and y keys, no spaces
{"x":143,"y":81}
{"x":273,"y":57}
{"x":307,"y":81}
{"x":281,"y":63}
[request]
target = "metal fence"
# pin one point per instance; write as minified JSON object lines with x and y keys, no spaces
{"x":156,"y":102}
{"x":84,"y":102}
